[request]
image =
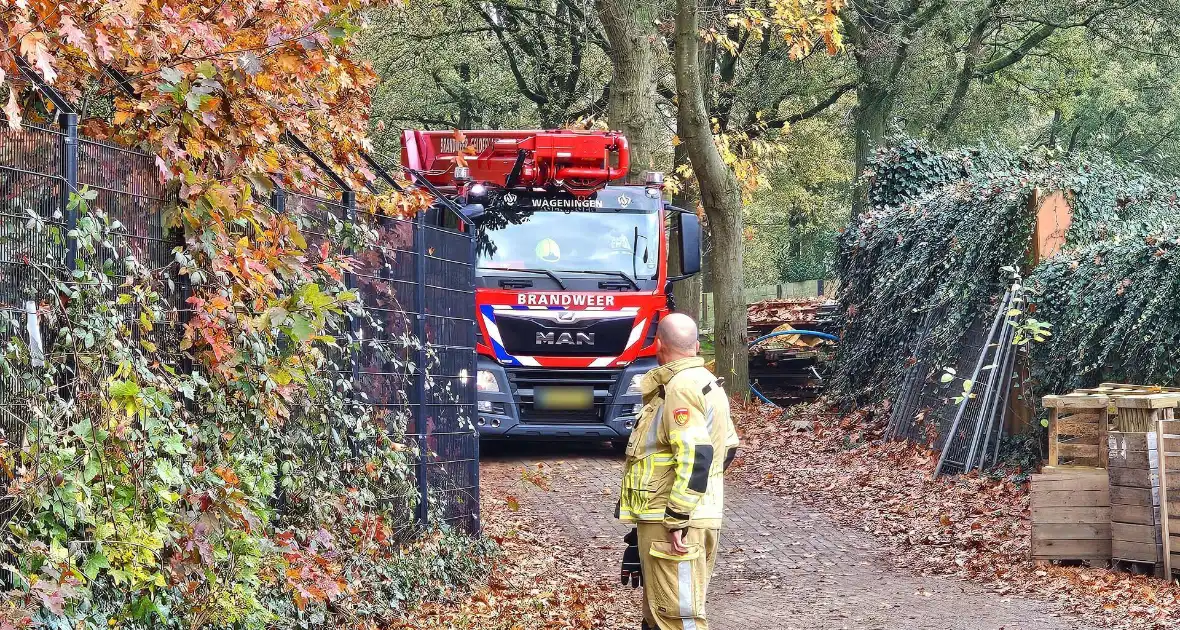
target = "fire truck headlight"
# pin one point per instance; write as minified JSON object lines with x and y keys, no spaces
{"x":486,"y":382}
{"x":633,"y":389}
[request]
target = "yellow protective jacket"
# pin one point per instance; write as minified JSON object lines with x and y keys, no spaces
{"x":679,"y":449}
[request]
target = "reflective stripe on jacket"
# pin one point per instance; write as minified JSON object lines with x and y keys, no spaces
{"x":677,"y":451}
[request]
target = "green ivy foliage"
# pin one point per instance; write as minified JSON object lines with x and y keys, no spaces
{"x":142,"y":493}
{"x":935,"y":256}
{"x":1110,"y":199}
{"x":1113,"y":305}
{"x":909,"y":170}
{"x":941,"y":229}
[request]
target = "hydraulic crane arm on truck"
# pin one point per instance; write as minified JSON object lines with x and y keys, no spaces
{"x":572,"y":274}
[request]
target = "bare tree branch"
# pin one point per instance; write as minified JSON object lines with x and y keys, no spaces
{"x":820,"y":107}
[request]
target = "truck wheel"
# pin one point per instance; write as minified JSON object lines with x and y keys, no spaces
{"x":618,"y":446}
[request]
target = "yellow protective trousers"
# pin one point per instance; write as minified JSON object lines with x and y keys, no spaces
{"x":674,"y":586}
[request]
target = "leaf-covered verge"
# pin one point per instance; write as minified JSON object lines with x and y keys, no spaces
{"x":217,"y":470}
{"x":541,"y":581}
{"x":970,"y":526}
{"x":941,"y":231}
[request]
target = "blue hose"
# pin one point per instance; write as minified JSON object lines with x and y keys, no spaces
{"x":806,"y":333}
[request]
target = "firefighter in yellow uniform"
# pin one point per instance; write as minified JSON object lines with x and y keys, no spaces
{"x":673,"y":481}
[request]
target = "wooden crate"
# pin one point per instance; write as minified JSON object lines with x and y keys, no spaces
{"x":1143,"y":412}
{"x":1167,"y":437}
{"x":1070,"y":514}
{"x":1135,"y":515}
{"x":1078,"y":428}
{"x":1133,"y":420}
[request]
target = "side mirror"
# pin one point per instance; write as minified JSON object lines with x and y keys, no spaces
{"x":690,"y":244}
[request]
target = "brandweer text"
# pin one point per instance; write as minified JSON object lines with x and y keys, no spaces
{"x":564,"y":299}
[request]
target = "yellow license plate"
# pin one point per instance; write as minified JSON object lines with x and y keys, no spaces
{"x":563,"y":398}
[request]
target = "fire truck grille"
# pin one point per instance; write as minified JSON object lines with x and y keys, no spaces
{"x":524,"y":382}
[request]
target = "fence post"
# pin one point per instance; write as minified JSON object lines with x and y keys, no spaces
{"x":278,"y":202}
{"x":69,"y":177}
{"x":68,"y":121}
{"x":420,"y":374}
{"x":472,"y":392}
{"x":348,"y":199}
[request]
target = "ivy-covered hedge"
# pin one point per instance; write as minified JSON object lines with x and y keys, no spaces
{"x":940,"y":231}
{"x":146,"y":491}
{"x":1115,"y":310}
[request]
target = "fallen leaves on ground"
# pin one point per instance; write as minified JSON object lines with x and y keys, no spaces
{"x":538,"y":583}
{"x":971,"y":526}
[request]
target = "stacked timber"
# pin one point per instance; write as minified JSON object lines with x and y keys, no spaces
{"x":1151,"y":389}
{"x":1070,"y":515}
{"x":787,"y":369}
{"x":1071,"y":496}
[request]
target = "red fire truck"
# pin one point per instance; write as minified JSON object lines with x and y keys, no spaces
{"x":572,"y":274}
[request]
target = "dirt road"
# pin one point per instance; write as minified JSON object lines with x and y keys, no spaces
{"x":783,"y":566}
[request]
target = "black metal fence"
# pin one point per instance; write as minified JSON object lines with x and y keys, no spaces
{"x":931,"y":409}
{"x":415,"y":367}
{"x":925,"y":408}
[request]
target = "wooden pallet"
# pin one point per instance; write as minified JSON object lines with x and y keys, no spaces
{"x":1167,"y":435}
{"x":1144,"y":471}
{"x":1070,"y":515}
{"x":1078,"y":428}
{"x":1135,"y":500}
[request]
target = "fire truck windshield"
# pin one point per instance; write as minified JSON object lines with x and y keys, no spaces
{"x":607,"y":242}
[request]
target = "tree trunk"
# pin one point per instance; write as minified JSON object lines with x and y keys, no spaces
{"x":465,"y":100}
{"x":631,"y":29}
{"x":881,"y":38}
{"x":721,"y":198}
{"x":870,"y":116}
{"x":967,"y":72}
{"x":687,"y":293}
{"x":709,"y":55}
{"x":729,"y":303}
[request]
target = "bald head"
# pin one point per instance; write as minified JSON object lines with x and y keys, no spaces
{"x":678,"y":336}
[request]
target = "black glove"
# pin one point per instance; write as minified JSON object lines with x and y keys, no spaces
{"x":631,"y":574}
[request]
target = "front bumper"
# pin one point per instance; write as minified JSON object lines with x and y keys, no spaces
{"x":508,"y":414}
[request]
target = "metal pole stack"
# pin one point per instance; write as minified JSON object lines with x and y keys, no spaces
{"x":909,"y":399}
{"x":982,"y":411}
